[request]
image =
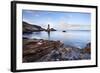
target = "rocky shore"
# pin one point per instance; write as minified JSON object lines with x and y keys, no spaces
{"x":39,"y":50}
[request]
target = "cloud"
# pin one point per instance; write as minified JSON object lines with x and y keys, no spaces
{"x":66,"y":26}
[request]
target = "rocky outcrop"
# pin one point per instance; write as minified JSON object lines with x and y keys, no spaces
{"x":87,"y":49}
{"x":86,"y":52}
{"x":28,"y":28}
{"x":65,"y":54}
{"x":52,"y":29}
{"x":39,"y":50}
{"x":33,"y":50}
{"x":63,"y":31}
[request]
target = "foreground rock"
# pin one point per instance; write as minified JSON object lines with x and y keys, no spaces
{"x":65,"y":54}
{"x":33,"y":50}
{"x":87,"y":51}
{"x":38,"y":50}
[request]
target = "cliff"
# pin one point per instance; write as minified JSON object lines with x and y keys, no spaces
{"x":28,"y":28}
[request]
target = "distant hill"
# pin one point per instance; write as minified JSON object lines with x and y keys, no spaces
{"x":28,"y":28}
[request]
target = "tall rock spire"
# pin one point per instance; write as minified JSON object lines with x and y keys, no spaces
{"x":48,"y":29}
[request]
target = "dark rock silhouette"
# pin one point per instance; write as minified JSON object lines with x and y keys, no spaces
{"x":63,"y":31}
{"x":50,"y":29}
{"x":28,"y":28}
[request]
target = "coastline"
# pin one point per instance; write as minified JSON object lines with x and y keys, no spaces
{"x":39,"y":50}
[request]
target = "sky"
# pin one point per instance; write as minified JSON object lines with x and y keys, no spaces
{"x":58,"y":20}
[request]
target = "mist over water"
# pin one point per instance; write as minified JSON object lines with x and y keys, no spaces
{"x":73,"y":38}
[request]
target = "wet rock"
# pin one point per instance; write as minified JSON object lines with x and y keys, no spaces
{"x":56,"y":56}
{"x":70,"y":54}
{"x":34,"y":50}
{"x":40,"y":50}
{"x":87,"y":49}
{"x":85,"y":56}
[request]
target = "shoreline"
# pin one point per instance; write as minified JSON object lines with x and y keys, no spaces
{"x":39,"y":50}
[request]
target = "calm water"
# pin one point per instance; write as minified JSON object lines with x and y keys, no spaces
{"x":73,"y":38}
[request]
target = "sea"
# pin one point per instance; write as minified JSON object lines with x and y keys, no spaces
{"x":75,"y":38}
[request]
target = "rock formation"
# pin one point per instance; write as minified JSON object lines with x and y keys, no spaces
{"x":39,"y":50}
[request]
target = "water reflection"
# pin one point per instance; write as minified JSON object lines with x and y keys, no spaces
{"x":48,"y":35}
